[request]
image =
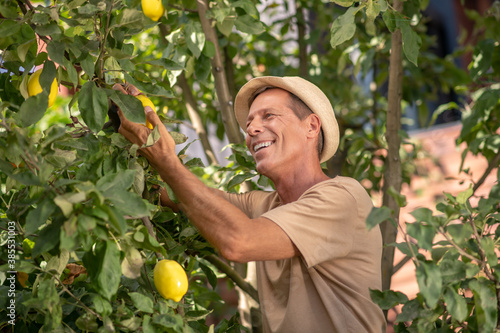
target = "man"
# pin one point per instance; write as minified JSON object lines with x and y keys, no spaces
{"x":316,"y":261}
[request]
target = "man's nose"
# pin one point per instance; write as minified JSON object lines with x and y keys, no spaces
{"x":254,"y":127}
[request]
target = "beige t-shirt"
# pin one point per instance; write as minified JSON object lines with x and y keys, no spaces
{"x":326,"y":288}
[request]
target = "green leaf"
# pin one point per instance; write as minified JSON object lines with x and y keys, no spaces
{"x":167,"y":320}
{"x":485,"y":301}
{"x":452,"y":269}
{"x":377,"y":216}
{"x":104,"y":268}
{"x":195,"y":37}
{"x":344,"y":3}
{"x":429,"y":281}
{"x":455,"y":304}
{"x":239,"y":178}
{"x":142,"y":302}
{"x":389,"y":20}
{"x":212,"y":278}
{"x":129,"y":204}
{"x":387,"y":299}
{"x":50,"y":29}
{"x":460,"y":232}
{"x":247,"y":6}
{"x":411,"y":41}
{"x":24,"y":48}
{"x":400,"y":198}
{"x":33,"y":109}
{"x":47,"y":239}
{"x":481,"y":61}
{"x":131,"y":18}
{"x":8,"y":27}
{"x":424,"y":234}
{"x":116,"y":182}
{"x":372,"y":11}
{"x":422,"y":214}
{"x":38,"y":216}
{"x":226,"y":26}
{"x":166,"y":63}
{"x":463,"y":196}
{"x":131,"y":107}
{"x":132,"y":263}
{"x":56,"y":49}
{"x":249,"y":25}
{"x":93,"y":104}
{"x":116,"y":219}
{"x":343,"y":28}
{"x":488,"y":245}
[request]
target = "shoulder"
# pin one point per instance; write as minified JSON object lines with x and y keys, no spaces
{"x":342,"y":191}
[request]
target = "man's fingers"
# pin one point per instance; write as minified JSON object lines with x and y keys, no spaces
{"x":132,"y":90}
{"x":152,"y":117}
{"x":119,"y":87}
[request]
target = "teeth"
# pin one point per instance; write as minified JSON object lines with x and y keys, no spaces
{"x":261,"y":145}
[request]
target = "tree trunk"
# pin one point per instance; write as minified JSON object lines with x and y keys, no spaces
{"x":392,"y":176}
{"x":248,"y":307}
{"x":221,"y":86}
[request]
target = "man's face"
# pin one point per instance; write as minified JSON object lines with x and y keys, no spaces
{"x":276,"y":137}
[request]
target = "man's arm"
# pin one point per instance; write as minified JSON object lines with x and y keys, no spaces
{"x":232,"y":232}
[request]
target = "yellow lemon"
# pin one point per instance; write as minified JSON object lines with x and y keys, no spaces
{"x":152,"y":9}
{"x":146,"y":102}
{"x":34,"y":87}
{"x":170,"y":279}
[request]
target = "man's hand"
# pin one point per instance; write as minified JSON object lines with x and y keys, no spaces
{"x":163,"y":150}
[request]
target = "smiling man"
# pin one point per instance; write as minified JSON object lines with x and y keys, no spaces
{"x":316,"y":261}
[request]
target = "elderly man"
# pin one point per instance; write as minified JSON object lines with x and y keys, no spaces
{"x":316,"y":261}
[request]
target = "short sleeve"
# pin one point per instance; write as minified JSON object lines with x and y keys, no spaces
{"x":322,"y":223}
{"x":253,"y":203}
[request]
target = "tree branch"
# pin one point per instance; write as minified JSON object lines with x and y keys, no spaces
{"x":301,"y":27}
{"x":233,"y":275}
{"x":225,"y":99}
{"x":392,"y":175}
{"x":495,"y":161}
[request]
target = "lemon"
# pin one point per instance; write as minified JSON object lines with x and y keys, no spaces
{"x":170,"y":279}
{"x":34,"y":87}
{"x":152,"y":9}
{"x":146,"y":102}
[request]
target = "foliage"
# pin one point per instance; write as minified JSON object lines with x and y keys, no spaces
{"x":455,"y":246}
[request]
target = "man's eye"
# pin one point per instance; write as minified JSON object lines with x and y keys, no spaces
{"x":269,"y":115}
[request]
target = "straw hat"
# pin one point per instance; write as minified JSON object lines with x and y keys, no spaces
{"x":311,"y":95}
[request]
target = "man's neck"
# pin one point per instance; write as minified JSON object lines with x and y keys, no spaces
{"x":292,"y":186}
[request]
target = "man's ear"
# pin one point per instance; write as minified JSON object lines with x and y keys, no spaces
{"x":314,"y":124}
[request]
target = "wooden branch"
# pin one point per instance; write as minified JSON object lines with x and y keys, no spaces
{"x":149,"y":226}
{"x":233,"y":275}
{"x":194,"y":115}
{"x":225,"y":99}
{"x":495,"y":161}
{"x":301,"y":27}
{"x":392,"y":175}
{"x":400,"y":264}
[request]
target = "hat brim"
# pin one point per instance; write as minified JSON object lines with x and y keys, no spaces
{"x":309,"y":93}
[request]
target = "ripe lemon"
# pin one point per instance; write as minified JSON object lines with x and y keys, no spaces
{"x":34,"y":87}
{"x":146,"y":102}
{"x":152,"y":9}
{"x":170,"y":279}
